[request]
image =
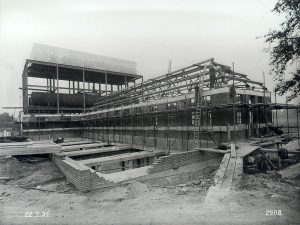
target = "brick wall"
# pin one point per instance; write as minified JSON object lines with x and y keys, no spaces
{"x":183,"y":174}
{"x":176,"y":160}
{"x":81,"y":176}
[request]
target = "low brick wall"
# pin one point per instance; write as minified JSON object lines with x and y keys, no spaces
{"x":81,"y":176}
{"x":177,"y":160}
{"x":182,"y":174}
{"x":167,"y":170}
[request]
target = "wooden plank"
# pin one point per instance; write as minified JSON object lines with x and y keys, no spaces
{"x":15,"y":144}
{"x":212,"y":150}
{"x":246,"y":150}
{"x":76,"y":142}
{"x":29,"y":150}
{"x":270,"y":143}
{"x":276,"y":150}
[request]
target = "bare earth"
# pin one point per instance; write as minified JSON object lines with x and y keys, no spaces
{"x":136,"y":203}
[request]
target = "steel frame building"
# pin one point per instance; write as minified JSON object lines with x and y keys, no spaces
{"x":72,"y":81}
{"x":200,"y":105}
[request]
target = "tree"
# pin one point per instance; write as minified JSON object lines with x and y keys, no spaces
{"x":285,"y":47}
{"x":5,"y":117}
{"x":6,"y":120}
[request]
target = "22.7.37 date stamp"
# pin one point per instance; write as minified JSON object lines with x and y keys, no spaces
{"x":36,"y":214}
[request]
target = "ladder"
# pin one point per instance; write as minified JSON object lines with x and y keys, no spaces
{"x":198,"y":114}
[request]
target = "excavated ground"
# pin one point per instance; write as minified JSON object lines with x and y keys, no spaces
{"x":39,"y":186}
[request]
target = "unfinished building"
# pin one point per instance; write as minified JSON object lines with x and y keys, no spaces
{"x":162,"y":113}
{"x":71,"y":81}
{"x":122,"y":127}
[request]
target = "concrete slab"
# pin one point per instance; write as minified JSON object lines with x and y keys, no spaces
{"x":245,"y":150}
{"x":117,"y":158}
{"x":96,"y":150}
{"x":82,"y":146}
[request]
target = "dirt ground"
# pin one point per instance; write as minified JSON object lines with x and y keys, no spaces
{"x":39,"y":194}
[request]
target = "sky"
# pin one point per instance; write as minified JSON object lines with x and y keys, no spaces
{"x":148,"y":32}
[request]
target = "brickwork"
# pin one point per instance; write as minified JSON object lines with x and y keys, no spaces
{"x":183,"y":174}
{"x":81,"y":176}
{"x":193,"y":175}
{"x":176,"y":160}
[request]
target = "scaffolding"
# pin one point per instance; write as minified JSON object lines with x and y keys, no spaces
{"x":182,"y":109}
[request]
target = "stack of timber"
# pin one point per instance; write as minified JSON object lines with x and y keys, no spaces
{"x":28,"y":148}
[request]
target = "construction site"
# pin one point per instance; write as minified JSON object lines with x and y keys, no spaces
{"x":97,"y":144}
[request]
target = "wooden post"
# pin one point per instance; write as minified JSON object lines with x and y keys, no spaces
{"x":297,"y":109}
{"x":276,"y":113}
{"x":25,"y":88}
{"x":287,"y":116}
{"x":234,"y":98}
{"x":57,"y":88}
{"x":83,"y":80}
{"x":50,"y":84}
{"x":228,"y":132}
{"x":105,"y":83}
{"x":264,"y":112}
{"x":219,"y":120}
{"x":53,"y":82}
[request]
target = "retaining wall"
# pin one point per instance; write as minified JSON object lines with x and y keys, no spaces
{"x":183,"y":174}
{"x":174,"y":169}
{"x":176,"y":160}
{"x":81,"y":176}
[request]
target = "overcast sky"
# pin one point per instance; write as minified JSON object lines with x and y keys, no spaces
{"x":147,"y":32}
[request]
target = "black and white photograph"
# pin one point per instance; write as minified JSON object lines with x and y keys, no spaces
{"x":138,"y":112}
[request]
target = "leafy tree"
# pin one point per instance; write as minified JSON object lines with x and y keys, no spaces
{"x":285,"y":47}
{"x":6,"y":120}
{"x":5,"y":117}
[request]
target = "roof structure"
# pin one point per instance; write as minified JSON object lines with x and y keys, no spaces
{"x":44,"y":60}
{"x":180,"y":82}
